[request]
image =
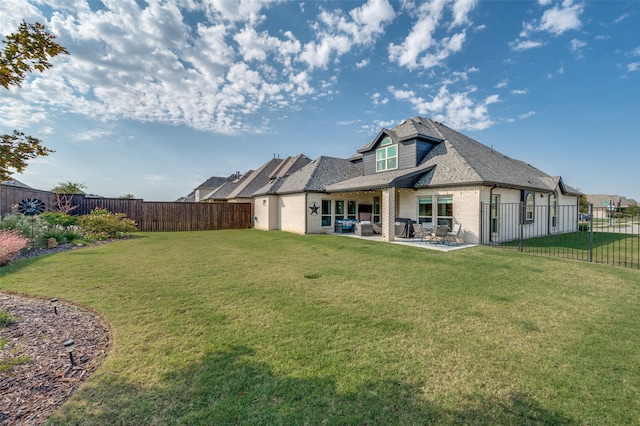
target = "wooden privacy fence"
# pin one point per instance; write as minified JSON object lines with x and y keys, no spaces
{"x":148,"y":215}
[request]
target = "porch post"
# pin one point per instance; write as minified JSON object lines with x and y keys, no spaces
{"x":388,"y":208}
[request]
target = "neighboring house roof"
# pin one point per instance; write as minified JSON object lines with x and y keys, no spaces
{"x":15,"y":183}
{"x":317,"y":176}
{"x":215,"y":182}
{"x":224,"y":190}
{"x":290,"y":165}
{"x":599,"y":200}
{"x":191,"y":197}
{"x":255,"y":180}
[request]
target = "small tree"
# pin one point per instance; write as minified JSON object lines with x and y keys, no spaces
{"x":64,"y":203}
{"x":584,"y":204}
{"x":28,"y":49}
{"x":15,"y":150}
{"x":69,"y":187}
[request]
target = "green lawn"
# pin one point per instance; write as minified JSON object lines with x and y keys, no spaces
{"x":251,"y":327}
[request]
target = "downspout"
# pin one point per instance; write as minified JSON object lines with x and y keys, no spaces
{"x":490,"y":206}
{"x":306,"y":216}
{"x":549,"y":214}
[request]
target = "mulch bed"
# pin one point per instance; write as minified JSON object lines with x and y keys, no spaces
{"x":31,"y":392}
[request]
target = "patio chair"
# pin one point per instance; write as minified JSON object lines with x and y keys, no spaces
{"x":454,"y":234}
{"x":439,"y":234}
{"x":419,"y":232}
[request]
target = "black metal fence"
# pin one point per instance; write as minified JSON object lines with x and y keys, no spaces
{"x":603,"y":234}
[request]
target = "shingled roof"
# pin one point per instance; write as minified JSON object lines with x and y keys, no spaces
{"x":317,"y":175}
{"x":460,"y":160}
{"x":454,"y":160}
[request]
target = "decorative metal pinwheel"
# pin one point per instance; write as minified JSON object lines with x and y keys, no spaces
{"x":31,"y":206}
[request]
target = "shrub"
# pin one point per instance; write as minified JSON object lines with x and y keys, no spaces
{"x":29,"y":226}
{"x":58,"y":233}
{"x":58,"y":218}
{"x":11,"y":242}
{"x":100,"y":225}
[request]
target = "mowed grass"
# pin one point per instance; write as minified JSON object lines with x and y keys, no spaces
{"x":252,"y":327}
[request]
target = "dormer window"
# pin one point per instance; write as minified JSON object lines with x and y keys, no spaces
{"x":386,"y":155}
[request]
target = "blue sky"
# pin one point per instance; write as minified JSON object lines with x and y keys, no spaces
{"x":158,"y":96}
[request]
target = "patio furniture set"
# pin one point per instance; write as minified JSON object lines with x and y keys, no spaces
{"x":438,"y":234}
{"x":363,"y":229}
{"x":405,"y":228}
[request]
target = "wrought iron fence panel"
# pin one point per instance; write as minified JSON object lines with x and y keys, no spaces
{"x":603,"y":234}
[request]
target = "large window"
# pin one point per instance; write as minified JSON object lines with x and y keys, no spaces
{"x":339,"y":209}
{"x":438,"y":210}
{"x":445,"y":210}
{"x":386,"y":156}
{"x":529,"y":206}
{"x":326,"y":213}
{"x":425,"y":210}
{"x":351,"y":209}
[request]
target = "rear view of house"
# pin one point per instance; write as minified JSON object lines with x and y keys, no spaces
{"x":425,"y":172}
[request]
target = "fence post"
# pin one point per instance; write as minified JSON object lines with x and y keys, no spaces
{"x":590,"y":232}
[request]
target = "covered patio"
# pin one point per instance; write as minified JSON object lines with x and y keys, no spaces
{"x":412,"y":242}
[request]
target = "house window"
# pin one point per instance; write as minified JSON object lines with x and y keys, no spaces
{"x":529,"y":205}
{"x":386,"y":156}
{"x":351,"y":209}
{"x":554,"y":209}
{"x":339,"y":209}
{"x":376,"y":209}
{"x":425,"y":210}
{"x":326,"y":213}
{"x":495,"y":211}
{"x":445,"y":210}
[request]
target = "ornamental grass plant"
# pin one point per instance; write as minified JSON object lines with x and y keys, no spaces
{"x":252,"y":327}
{"x":11,"y":242}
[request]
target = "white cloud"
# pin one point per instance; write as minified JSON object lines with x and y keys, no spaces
{"x":156,"y":179}
{"x":492,"y":99}
{"x":461,"y":10}
{"x":525,"y":45}
{"x":519,"y":92}
{"x":377,"y":99}
{"x":526,"y":115}
{"x":621,"y":18}
{"x":337,"y":34}
{"x":634,"y":66}
{"x":363,"y":63}
{"x":577,"y":45}
{"x":456,"y":109}
{"x":562,"y":18}
{"x":143,"y":62}
{"x":421,"y":48}
{"x":502,"y":84}
{"x":555,"y":20}
{"x":92,"y":134}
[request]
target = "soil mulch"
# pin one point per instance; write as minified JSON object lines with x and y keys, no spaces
{"x":44,"y":377}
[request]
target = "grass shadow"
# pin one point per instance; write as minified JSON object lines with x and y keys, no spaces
{"x":232,"y":387}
